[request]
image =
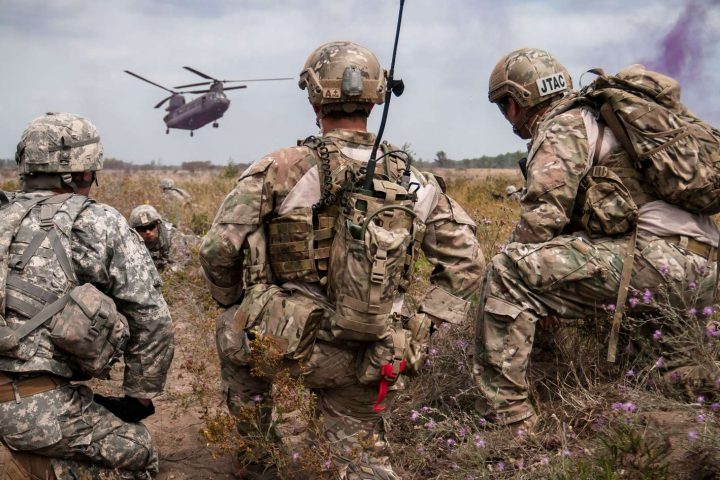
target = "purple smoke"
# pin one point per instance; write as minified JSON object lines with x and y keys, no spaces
{"x":681,"y":49}
{"x":688,"y":53}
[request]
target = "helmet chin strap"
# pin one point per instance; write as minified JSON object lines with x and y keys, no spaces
{"x":522,"y":127}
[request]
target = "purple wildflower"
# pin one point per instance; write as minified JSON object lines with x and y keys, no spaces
{"x":414,"y":415}
{"x":425,"y":409}
{"x":462,"y":432}
{"x":431,"y":424}
{"x":257,"y":398}
{"x":715,"y":406}
{"x":692,"y":312}
{"x":616,"y":406}
{"x":629,"y":407}
{"x":717,"y":381}
{"x":664,"y":270}
{"x":657,"y":335}
{"x":610,"y":307}
{"x":692,"y":436}
{"x":295,"y":456}
{"x":647,"y":296}
{"x":433,"y":351}
{"x":701,"y":399}
{"x":327,"y":465}
{"x":700,"y":418}
{"x":630,"y":373}
{"x":544,"y":460}
{"x":500,"y":466}
{"x":708,"y":311}
{"x":482,"y":422}
{"x":692,"y":285}
{"x":633,"y":301}
{"x":659,"y":363}
{"x":451,"y":443}
{"x":479,"y":442}
{"x":520,"y":464}
{"x":566,"y":452}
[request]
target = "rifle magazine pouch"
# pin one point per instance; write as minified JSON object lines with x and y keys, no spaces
{"x":90,"y":330}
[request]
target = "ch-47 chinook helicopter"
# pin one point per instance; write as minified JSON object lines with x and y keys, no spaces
{"x":202,"y":110}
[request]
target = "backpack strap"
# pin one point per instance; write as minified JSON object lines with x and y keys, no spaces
{"x":612,"y":121}
{"x":628,"y":262}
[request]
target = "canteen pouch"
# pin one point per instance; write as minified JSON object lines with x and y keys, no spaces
{"x":90,"y":330}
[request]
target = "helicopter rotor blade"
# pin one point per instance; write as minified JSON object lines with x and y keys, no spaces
{"x":193,"y":84}
{"x":234,"y":81}
{"x":163,"y":101}
{"x":208,"y":90}
{"x":258,"y":80}
{"x":235,"y":88}
{"x":148,"y":81}
{"x":196,"y":72}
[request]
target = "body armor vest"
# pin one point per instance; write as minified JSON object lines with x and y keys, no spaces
{"x":359,"y":246}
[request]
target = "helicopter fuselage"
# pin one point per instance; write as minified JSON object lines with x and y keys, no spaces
{"x":198,"y":112}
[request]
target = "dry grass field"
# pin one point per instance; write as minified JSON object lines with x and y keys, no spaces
{"x":598,"y":421}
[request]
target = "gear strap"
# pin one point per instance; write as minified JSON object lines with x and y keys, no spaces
{"x":622,"y":296}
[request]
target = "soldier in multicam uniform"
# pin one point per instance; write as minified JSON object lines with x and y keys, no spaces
{"x":551,"y":267}
{"x":167,"y":246}
{"x":54,"y":428}
{"x":173,"y":193}
{"x":250,"y":255}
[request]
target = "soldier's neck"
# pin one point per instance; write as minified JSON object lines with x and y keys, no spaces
{"x":359,"y":124}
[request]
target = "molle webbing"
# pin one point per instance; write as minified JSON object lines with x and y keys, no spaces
{"x":298,"y":251}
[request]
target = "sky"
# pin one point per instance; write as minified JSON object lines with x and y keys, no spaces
{"x":69,"y":55}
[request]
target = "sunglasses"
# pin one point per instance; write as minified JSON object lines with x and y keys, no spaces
{"x":146,"y":228}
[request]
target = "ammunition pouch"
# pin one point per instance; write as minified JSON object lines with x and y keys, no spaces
{"x":607,"y":207}
{"x":85,"y":325}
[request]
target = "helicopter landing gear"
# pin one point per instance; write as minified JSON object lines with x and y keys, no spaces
{"x":216,"y":125}
{"x":191,"y":133}
{"x":167,"y":131}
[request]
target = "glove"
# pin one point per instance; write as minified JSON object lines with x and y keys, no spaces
{"x":127,"y":409}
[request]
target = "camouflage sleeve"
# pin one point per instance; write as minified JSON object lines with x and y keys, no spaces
{"x":109,"y":255}
{"x":558,"y":161}
{"x":241,"y":214}
{"x":452,"y":248}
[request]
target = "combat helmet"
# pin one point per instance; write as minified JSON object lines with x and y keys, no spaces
{"x":343,"y":76}
{"x":144,"y":215}
{"x":56,"y":145}
{"x":530,"y":76}
{"x":166,"y":183}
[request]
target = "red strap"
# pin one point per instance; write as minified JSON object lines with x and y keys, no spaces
{"x":387,"y":376}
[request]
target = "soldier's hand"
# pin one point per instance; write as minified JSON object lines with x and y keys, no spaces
{"x":127,"y":409}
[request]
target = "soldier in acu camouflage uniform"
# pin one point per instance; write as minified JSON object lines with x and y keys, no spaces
{"x":173,"y":193}
{"x":551,"y":266}
{"x":257,"y":252}
{"x":167,"y":246}
{"x":58,"y":429}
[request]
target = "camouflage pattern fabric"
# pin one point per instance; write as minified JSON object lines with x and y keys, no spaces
{"x":105,"y":252}
{"x":83,"y":438}
{"x":237,"y":243}
{"x":177,"y":196}
{"x":170,"y":248}
{"x":546,"y":271}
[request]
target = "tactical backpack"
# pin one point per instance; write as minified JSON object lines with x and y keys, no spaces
{"x":38,"y":283}
{"x":677,"y":153}
{"x":674,"y":156}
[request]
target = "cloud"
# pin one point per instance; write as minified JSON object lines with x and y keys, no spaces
{"x":70,"y":55}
